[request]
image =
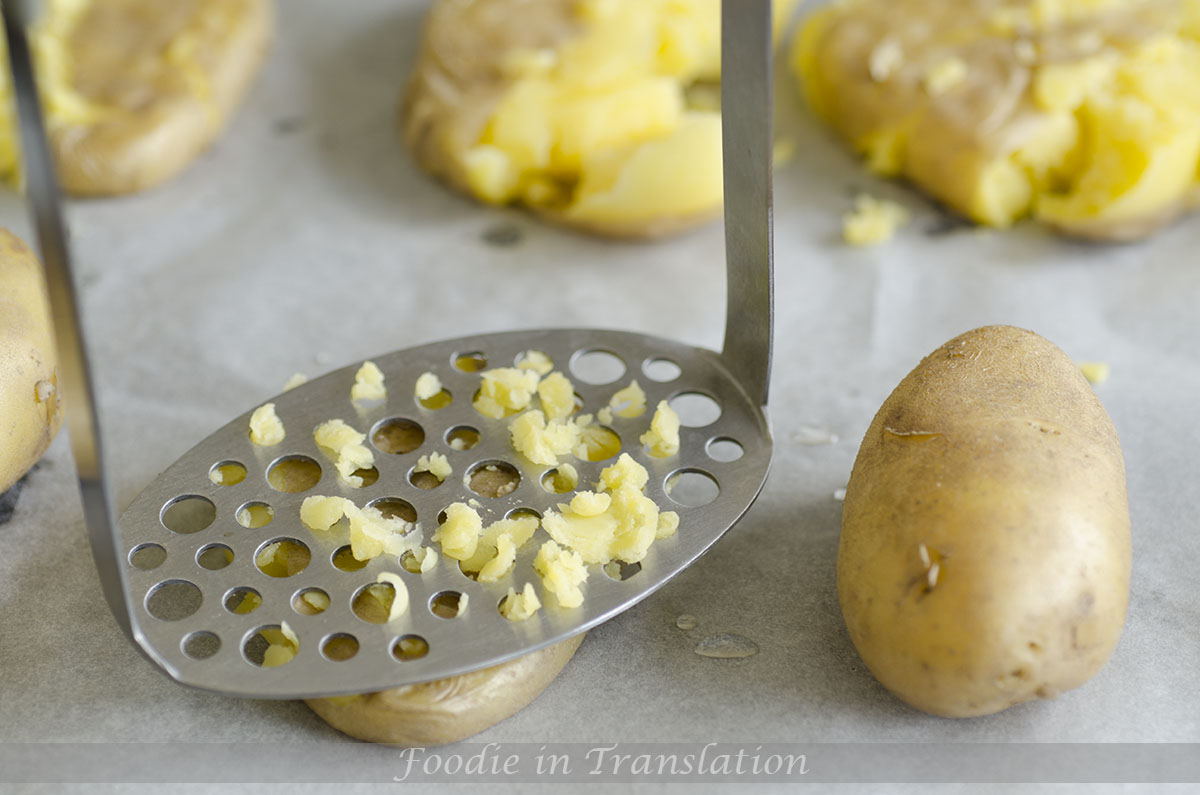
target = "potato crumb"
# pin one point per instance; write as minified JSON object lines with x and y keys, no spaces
{"x":562,"y":572}
{"x":1095,"y":372}
{"x":623,"y":530}
{"x":400,"y":600}
{"x":317,"y":601}
{"x":371,"y":533}
{"x":557,"y":395}
{"x":537,"y":361}
{"x":505,"y":391}
{"x":662,"y":439}
{"x":542,"y":442}
{"x":283,"y":643}
{"x":266,"y":429}
{"x":629,"y":402}
{"x":668,"y":523}
{"x":296,"y":380}
{"x":368,"y":383}
{"x":459,"y":533}
{"x":435,"y":464}
{"x":872,"y":221}
{"x":520,"y":606}
{"x":428,"y":385}
{"x":345,"y":446}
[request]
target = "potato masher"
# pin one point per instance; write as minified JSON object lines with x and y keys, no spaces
{"x":179,"y":567}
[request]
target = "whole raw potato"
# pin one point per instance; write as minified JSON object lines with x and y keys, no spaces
{"x":985,"y":552}
{"x":447,"y":710}
{"x":29,"y":400}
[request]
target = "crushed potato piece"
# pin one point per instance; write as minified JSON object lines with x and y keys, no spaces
{"x":557,"y":396}
{"x":428,"y":385}
{"x":668,"y":523}
{"x":420,"y":560}
{"x":629,"y":402}
{"x":459,"y":534}
{"x":537,"y":361}
{"x":873,"y":221}
{"x":266,"y":428}
{"x":562,"y":573}
{"x":371,"y":533}
{"x":542,"y":442}
{"x":505,"y":391}
{"x":662,"y":439}
{"x":399,"y":604}
{"x":520,"y":606}
{"x":368,"y":383}
{"x":317,"y":601}
{"x":623,"y":531}
{"x":1095,"y":372}
{"x":297,"y":379}
{"x":345,"y":446}
{"x":283,"y":643}
{"x":497,"y":547}
{"x":435,"y":464}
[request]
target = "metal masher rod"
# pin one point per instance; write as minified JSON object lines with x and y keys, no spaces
{"x":74,"y":372}
{"x":747,"y":88}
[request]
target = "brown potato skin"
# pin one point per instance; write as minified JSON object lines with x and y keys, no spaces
{"x":160,"y":125}
{"x":997,"y":456}
{"x":27,"y":356}
{"x":447,"y":710}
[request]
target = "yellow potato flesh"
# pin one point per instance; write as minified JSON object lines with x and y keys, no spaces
{"x":1081,"y":114}
{"x":134,"y":89}
{"x":985,"y":549}
{"x":589,"y":113}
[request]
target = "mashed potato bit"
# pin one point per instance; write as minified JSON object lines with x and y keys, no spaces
{"x":368,"y":384}
{"x":873,"y":221}
{"x":505,"y":391}
{"x":400,"y":601}
{"x":266,"y":429}
{"x":662,"y":439}
{"x":562,"y":573}
{"x":371,"y":533}
{"x":618,"y":524}
{"x":544,"y":442}
{"x":459,"y":533}
{"x":629,"y":402}
{"x":520,"y":606}
{"x":435,"y":464}
{"x":345,"y":446}
{"x":428,"y":385}
{"x":537,"y":361}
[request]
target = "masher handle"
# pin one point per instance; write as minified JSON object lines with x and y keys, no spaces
{"x":74,"y":373}
{"x":747,"y":89}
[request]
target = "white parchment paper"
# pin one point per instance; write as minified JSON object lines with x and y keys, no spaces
{"x":306,"y":240}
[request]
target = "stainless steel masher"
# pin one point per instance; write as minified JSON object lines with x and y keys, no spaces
{"x":179,"y":569}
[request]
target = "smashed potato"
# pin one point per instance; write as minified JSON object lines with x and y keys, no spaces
{"x":447,"y":710}
{"x":1084,"y":114}
{"x":590,"y":112}
{"x":134,"y":90}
